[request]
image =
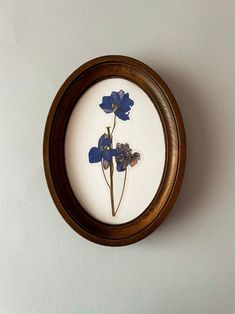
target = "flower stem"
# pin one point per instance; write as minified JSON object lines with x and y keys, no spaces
{"x":111,"y":189}
{"x":111,"y":169}
{"x":123,"y":188}
{"x":114,"y":124}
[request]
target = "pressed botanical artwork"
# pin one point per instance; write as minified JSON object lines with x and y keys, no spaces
{"x":114,"y":150}
{"x":113,"y":157}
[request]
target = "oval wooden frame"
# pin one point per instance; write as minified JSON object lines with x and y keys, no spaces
{"x":53,"y":150}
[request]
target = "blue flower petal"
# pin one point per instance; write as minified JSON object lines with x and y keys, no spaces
{"x":126,"y":103}
{"x":120,"y":167}
{"x":115,"y":98}
{"x":95,"y":155}
{"x":105,"y":140}
{"x":114,"y":152}
{"x":106,"y":105}
{"x":121,"y":115}
{"x":107,"y":154}
{"x":121,"y":93}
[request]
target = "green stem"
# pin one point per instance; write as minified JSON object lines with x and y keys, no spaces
{"x":111,"y":169}
{"x":123,"y":188}
{"x":111,"y":189}
{"x":114,"y":124}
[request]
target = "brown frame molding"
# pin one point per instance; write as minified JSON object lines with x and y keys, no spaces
{"x":53,"y":150}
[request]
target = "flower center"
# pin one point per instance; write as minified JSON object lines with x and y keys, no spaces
{"x":114,"y":107}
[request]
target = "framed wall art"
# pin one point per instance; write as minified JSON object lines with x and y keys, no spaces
{"x":114,"y":150}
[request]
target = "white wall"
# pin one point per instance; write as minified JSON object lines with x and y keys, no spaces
{"x":187,"y":265}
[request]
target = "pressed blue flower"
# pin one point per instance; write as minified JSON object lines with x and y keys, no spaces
{"x":124,"y":157}
{"x":119,"y":103}
{"x":104,"y":152}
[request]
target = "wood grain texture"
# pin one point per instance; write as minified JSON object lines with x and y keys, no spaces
{"x":54,"y":157}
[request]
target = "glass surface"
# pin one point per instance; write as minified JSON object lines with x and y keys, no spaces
{"x":144,"y":134}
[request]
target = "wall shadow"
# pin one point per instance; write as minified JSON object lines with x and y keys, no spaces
{"x":199,"y":172}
